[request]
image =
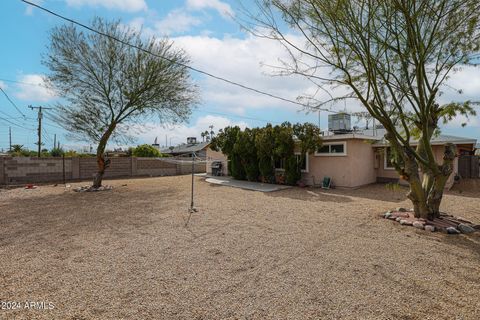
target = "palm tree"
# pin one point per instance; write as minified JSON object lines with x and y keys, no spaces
{"x":203,"y":136}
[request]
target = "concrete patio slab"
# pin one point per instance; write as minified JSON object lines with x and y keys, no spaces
{"x":254,"y":186}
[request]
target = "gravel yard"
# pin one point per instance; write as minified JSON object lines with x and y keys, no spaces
{"x":291,"y":254}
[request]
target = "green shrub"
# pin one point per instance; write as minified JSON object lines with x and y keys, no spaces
{"x":266,"y":169}
{"x":292,"y":171}
{"x":146,"y":151}
{"x":57,"y":152}
{"x":236,"y":167}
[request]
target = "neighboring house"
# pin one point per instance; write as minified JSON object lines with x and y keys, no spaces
{"x":186,"y":149}
{"x":477,"y":149}
{"x":358,"y":158}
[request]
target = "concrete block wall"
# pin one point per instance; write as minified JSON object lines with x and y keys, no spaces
{"x":21,"y":170}
{"x":186,"y":168}
{"x":32,"y":170}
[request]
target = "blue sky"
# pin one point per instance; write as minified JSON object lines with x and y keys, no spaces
{"x":215,"y":43}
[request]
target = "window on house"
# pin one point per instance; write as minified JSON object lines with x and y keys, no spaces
{"x":337,"y":148}
{"x":389,"y":156}
{"x":280,"y":164}
{"x":324,"y":149}
{"x":303,"y":160}
{"x":333,"y":149}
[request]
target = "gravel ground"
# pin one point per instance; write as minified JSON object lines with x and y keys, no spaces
{"x":291,"y":254}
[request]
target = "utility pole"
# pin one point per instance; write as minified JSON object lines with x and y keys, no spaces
{"x":54,"y":141}
{"x":10,"y":138}
{"x":40,"y":116}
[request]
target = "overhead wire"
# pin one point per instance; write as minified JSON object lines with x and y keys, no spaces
{"x":12,"y":103}
{"x":200,"y":71}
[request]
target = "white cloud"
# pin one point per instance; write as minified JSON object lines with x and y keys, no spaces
{"x":224,"y":9}
{"x":467,"y":79}
{"x":176,"y":21}
{"x":459,"y":121}
{"x":29,"y":8}
{"x":122,"y":5}
{"x":178,"y":134}
{"x":179,"y":20}
{"x":34,"y":88}
{"x":241,"y":60}
{"x":3,"y":85}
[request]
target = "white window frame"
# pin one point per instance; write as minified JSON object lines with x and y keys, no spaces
{"x":344,"y":154}
{"x":306,"y":164}
{"x":281,"y":169}
{"x":385,"y":164}
{"x":306,"y":161}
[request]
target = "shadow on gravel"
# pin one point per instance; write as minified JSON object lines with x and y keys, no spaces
{"x":378,"y":192}
{"x":310,"y":194}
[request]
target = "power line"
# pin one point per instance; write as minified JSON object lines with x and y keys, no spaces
{"x":208,"y":74}
{"x":241,"y":117}
{"x":22,"y":82}
{"x":15,"y":124}
{"x":13,"y":103}
{"x":50,"y":117}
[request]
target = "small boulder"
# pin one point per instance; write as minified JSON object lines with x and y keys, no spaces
{"x":430,"y":228}
{"x":465,"y":228}
{"x":387,"y":214}
{"x":398,"y":219}
{"x":418,"y":224}
{"x":452,"y":230}
{"x":401,"y":210}
{"x":406,"y":222}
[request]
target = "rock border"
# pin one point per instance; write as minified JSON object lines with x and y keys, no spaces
{"x":446,"y":223}
{"x":92,"y":189}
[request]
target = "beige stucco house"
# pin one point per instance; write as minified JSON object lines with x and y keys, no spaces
{"x":356,"y":159}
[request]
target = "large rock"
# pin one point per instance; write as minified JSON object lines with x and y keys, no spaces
{"x":452,"y":230}
{"x":418,"y":224}
{"x":430,"y":228}
{"x":406,"y":222}
{"x":465,"y":228}
{"x":387,"y":215}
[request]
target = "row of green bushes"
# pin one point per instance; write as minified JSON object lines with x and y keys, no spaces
{"x":252,"y":153}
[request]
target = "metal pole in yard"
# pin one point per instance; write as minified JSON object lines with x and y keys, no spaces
{"x":63,"y":165}
{"x":192,"y":209}
{"x":193,"y":172}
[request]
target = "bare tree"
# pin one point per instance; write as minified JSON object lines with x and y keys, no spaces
{"x":110,"y":87}
{"x":394,"y":57}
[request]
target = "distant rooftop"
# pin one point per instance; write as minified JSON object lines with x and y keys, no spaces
{"x":185,"y":148}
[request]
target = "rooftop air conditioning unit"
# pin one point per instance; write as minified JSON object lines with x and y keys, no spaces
{"x":339,"y":123}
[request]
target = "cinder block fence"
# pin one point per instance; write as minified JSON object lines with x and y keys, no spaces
{"x":20,"y":170}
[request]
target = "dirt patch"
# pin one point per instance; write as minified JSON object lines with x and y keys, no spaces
{"x":297,"y":254}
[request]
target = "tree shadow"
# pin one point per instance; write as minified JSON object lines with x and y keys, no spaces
{"x":377,"y":192}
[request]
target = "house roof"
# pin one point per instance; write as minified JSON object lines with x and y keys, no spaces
{"x":437,"y":140}
{"x":186,"y":148}
{"x":349,"y":136}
